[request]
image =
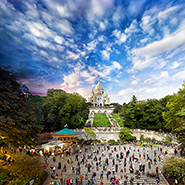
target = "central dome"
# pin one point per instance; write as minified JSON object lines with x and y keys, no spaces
{"x":98,"y":88}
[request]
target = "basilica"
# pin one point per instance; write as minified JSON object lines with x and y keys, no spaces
{"x":99,"y":97}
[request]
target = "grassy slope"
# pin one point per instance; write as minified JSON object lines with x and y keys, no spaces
{"x":120,"y":121}
{"x":100,"y":120}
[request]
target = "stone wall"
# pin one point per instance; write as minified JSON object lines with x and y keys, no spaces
{"x":105,"y":133}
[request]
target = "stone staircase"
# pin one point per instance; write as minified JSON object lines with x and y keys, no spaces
{"x":112,"y":120}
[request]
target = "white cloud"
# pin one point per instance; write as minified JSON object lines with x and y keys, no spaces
{"x":92,"y":45}
{"x":144,"y":56}
{"x":163,"y":15}
{"x":65,"y":27}
{"x":72,"y":55}
{"x":134,"y":82}
{"x":106,"y":54}
{"x":175,"y":65}
{"x":132,"y":28}
{"x":120,"y":36}
{"x":118,"y":15}
{"x":63,"y":11}
{"x":124,"y":92}
{"x":144,"y":40}
{"x":58,"y":39}
{"x":179,"y":75}
{"x":116,"y":65}
{"x":102,"y":26}
{"x":98,"y":8}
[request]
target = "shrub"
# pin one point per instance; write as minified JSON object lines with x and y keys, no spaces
{"x":148,"y":139}
{"x":111,"y":141}
{"x":4,"y":176}
{"x":153,"y":139}
{"x":168,"y":139}
{"x":142,"y":137}
{"x":1,"y":156}
{"x":174,"y":168}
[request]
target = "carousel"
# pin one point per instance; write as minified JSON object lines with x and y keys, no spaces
{"x":54,"y":147}
{"x":66,"y":136}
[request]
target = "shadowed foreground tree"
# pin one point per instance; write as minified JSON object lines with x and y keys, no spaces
{"x":18,"y":124}
{"x":23,"y":170}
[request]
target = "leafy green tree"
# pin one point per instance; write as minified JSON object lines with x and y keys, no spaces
{"x":175,"y":116}
{"x":18,"y":123}
{"x":126,"y":134}
{"x":62,"y":108}
{"x":129,"y":113}
{"x":144,"y":114}
{"x":152,"y":115}
{"x":89,"y":133}
{"x":174,"y":168}
{"x":117,"y":108}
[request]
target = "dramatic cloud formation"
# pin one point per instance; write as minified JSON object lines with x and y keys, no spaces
{"x":134,"y":47}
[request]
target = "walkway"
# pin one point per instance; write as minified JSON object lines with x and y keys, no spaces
{"x":133,"y":150}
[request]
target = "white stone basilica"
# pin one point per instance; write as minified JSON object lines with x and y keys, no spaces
{"x":99,"y":97}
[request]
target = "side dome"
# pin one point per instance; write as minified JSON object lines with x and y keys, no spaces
{"x":105,"y":93}
{"x":99,"y":87}
{"x":92,"y":94}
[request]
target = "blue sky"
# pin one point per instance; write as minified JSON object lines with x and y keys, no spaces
{"x":134,"y":47}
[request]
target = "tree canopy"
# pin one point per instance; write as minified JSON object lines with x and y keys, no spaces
{"x":175,"y":168}
{"x":60,"y":108}
{"x":18,"y":124}
{"x":175,"y":115}
{"x":144,"y":114}
{"x":126,"y":134}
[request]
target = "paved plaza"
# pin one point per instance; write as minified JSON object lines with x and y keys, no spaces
{"x":104,"y":153}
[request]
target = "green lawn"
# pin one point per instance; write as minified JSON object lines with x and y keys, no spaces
{"x":100,"y":120}
{"x":120,"y":121}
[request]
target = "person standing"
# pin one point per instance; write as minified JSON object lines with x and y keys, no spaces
{"x":101,"y":183}
{"x":125,"y":165}
{"x":68,"y":181}
{"x":101,"y":175}
{"x":113,"y":161}
{"x":116,"y":167}
{"x":71,"y":181}
{"x":81,"y":179}
{"x":76,"y":180}
{"x":104,"y":165}
{"x":61,"y":178}
{"x":113,"y":170}
{"x":96,"y":165}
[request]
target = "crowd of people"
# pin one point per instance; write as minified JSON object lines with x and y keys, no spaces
{"x":118,"y":164}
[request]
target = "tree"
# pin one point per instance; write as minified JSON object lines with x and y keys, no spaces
{"x":174,"y":168}
{"x":18,"y":123}
{"x":129,"y":113}
{"x":144,"y":114}
{"x":117,"y":108}
{"x":89,"y":133}
{"x":175,"y":116}
{"x":126,"y":134}
{"x":62,"y":108}
{"x":26,"y":166}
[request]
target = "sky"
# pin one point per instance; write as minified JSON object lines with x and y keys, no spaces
{"x":135,"y":47}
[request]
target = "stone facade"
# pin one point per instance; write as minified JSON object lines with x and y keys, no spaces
{"x":99,"y":97}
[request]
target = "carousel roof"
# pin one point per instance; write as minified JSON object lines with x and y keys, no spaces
{"x":66,"y":132}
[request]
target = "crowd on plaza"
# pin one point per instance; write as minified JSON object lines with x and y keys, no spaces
{"x":118,"y":164}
